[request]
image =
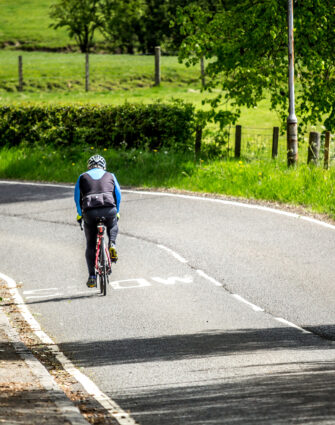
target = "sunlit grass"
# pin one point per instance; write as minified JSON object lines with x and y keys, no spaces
{"x":28,"y":22}
{"x":44,"y":71}
{"x":309,"y":186}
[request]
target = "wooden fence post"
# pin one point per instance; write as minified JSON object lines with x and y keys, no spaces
{"x":327,"y":146}
{"x":202,"y":70}
{"x":313,"y":147}
{"x":157,"y":65}
{"x":238,"y":138}
{"x":20,"y":74}
{"x":275,"y":138}
{"x":197,"y":145}
{"x":87,"y":72}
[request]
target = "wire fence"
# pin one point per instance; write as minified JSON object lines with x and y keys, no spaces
{"x":92,"y":72}
{"x":258,"y":144}
{"x":255,"y":143}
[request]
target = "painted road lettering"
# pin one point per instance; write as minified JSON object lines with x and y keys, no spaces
{"x":116,"y":284}
{"x":129,"y":283}
{"x":173,"y":280}
{"x":141,"y":282}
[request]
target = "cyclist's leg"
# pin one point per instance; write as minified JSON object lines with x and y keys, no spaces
{"x":90,"y":228}
{"x":112,"y":232}
{"x":112,"y":226}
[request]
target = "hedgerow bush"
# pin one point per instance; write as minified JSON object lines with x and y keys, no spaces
{"x":129,"y":126}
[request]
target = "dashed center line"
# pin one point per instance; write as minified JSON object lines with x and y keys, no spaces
{"x":243,"y":300}
{"x":209,"y":278}
{"x":173,"y":253}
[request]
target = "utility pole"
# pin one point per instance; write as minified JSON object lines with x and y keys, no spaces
{"x":292,"y":126}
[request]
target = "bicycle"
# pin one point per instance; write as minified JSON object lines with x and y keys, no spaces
{"x":103,"y":263}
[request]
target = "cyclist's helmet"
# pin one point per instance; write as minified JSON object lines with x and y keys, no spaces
{"x":96,"y":161}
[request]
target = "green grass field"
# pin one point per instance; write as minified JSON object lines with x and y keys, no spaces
{"x":44,"y":71}
{"x":26,"y":23}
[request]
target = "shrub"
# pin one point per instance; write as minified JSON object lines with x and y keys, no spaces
{"x":151,"y":126}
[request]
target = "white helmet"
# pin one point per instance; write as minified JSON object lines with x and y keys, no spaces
{"x":96,"y":161}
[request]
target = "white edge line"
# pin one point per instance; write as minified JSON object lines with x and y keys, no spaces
{"x":66,"y":186}
{"x":110,"y":405}
{"x":237,"y":204}
{"x":198,"y":198}
{"x":209,"y":278}
{"x":243,"y":300}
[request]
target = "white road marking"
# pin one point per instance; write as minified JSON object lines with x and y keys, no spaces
{"x":292,"y":325}
{"x":173,"y":253}
{"x":39,"y":290}
{"x":30,"y":297}
{"x":209,"y":278}
{"x":243,"y":300}
{"x":110,"y":405}
{"x":173,"y":280}
{"x":139,"y":283}
{"x":65,"y":186}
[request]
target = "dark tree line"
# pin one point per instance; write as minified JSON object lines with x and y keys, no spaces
{"x":128,"y":26}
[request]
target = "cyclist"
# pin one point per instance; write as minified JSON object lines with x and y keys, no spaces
{"x":97,"y":194}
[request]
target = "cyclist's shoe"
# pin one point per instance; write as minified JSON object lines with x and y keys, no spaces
{"x":92,"y":282}
{"x":113,"y":253}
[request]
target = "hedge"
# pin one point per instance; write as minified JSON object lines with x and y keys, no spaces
{"x":130,"y":125}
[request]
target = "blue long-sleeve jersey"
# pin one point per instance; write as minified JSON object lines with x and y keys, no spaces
{"x":95,"y":174}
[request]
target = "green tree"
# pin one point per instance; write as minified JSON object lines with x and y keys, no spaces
{"x":80,"y":17}
{"x":158,"y":26}
{"x":246,"y":44}
{"x":120,"y":23}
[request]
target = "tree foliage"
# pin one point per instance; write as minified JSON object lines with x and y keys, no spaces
{"x":80,"y":17}
{"x":245,"y":43}
{"x":120,"y":23}
{"x":127,"y":25}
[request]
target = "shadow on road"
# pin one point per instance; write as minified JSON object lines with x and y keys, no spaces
{"x":58,"y":299}
{"x":280,"y":392}
{"x":10,"y":193}
{"x":189,"y":346}
{"x":306,"y":397}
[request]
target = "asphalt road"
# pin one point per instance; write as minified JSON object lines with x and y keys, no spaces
{"x":168,"y":343}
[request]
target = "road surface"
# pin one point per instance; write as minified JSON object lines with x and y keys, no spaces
{"x":218,"y":313}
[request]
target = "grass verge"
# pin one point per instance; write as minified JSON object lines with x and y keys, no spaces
{"x":308,"y":186}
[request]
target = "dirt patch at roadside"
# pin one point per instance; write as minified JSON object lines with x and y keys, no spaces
{"x":93,"y":412}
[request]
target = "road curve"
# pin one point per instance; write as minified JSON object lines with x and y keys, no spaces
{"x":214,"y":310}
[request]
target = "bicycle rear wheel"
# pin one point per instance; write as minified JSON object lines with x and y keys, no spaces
{"x":100,"y":271}
{"x":104,"y":277}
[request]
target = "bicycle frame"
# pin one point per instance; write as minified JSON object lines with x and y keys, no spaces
{"x":103,"y":264}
